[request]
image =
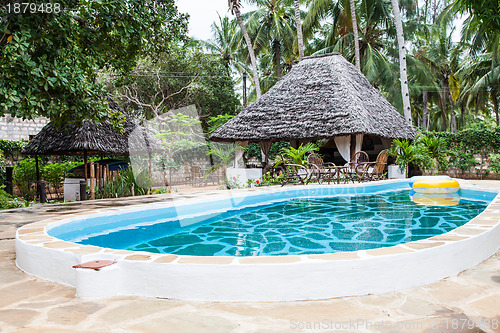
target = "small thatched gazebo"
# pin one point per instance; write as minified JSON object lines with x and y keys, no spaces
{"x":322,"y":97}
{"x":91,"y":138}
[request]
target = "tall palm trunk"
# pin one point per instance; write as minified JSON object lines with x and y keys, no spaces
{"x":402,"y":62}
{"x":236,"y":10}
{"x":425,"y":98}
{"x":462,"y":113}
{"x":453,"y":118}
{"x":442,"y":105}
{"x":355,"y":35}
{"x":494,"y":97}
{"x":453,"y":121}
{"x":298,"y":22}
{"x":277,"y":58}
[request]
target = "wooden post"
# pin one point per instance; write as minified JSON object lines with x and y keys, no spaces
{"x":9,"y":185}
{"x":41,"y":190}
{"x":92,"y":183}
{"x":132,"y":189}
{"x":37,"y":169}
{"x":85,"y":167}
{"x":353,"y":145}
{"x":105,"y":175}
{"x":100,"y":167}
{"x":244,"y":89}
{"x":83,"y":190}
{"x":96,"y":174}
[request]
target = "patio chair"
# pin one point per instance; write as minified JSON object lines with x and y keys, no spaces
{"x":319,"y":170}
{"x":356,"y":167}
{"x":295,"y":173}
{"x":374,"y":170}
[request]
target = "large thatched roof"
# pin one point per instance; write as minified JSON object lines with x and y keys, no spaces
{"x":71,"y":139}
{"x":321,"y":97}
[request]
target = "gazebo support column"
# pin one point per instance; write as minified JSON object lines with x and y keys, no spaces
{"x":353,"y":145}
{"x":85,"y":167}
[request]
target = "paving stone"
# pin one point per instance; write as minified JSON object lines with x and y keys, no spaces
{"x":451,"y":292}
{"x":132,"y":311}
{"x":488,"y":306}
{"x":72,"y":314}
{"x":186,"y":323}
{"x":27,"y":289}
{"x":49,"y":329}
{"x":419,"y":307}
{"x":17,"y":318}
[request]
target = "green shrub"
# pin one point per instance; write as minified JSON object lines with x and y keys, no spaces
{"x":462,"y":158}
{"x":494,"y":161}
{"x":54,"y":173}
{"x":11,"y":148}
{"x":25,"y":176}
{"x":414,"y":152}
{"x":298,"y":155}
{"x":120,"y":186}
{"x":6,"y":201}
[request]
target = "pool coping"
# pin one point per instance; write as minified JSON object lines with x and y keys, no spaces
{"x":33,"y":240}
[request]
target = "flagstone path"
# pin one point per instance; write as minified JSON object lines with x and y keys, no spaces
{"x":468,"y":302}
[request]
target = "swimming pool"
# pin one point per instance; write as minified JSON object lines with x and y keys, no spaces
{"x":279,"y":274}
{"x":304,"y":225}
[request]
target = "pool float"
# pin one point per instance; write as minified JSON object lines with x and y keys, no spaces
{"x":436,"y":199}
{"x":436,"y":186}
{"x":415,"y":178}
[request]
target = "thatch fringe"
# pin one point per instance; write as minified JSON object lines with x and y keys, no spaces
{"x":72,"y":139}
{"x":322,"y":97}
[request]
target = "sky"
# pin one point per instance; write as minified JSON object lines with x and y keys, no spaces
{"x":203,"y":13}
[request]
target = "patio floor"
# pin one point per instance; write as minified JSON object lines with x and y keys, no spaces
{"x":468,"y":302}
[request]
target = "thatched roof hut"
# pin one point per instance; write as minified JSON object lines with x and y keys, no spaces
{"x":321,"y":97}
{"x":91,"y":138}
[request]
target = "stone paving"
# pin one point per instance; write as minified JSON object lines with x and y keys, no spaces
{"x":468,"y":302}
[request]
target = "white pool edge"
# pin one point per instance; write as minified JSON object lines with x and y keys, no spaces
{"x":273,"y":278}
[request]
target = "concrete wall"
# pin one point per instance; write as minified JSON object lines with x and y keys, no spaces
{"x":18,"y":129}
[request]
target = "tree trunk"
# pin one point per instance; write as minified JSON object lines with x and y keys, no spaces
{"x":250,"y":51}
{"x":355,"y":34}
{"x":402,"y":62}
{"x":494,"y":97}
{"x":453,"y":120}
{"x":277,"y":60}
{"x":462,"y":113}
{"x":424,"y":110}
{"x":442,"y":104}
{"x":300,"y":39}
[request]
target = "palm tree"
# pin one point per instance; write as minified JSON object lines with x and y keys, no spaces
{"x":442,"y":56}
{"x":223,"y":42}
{"x":482,"y":78}
{"x":355,"y":33}
{"x":298,"y":23}
{"x":402,"y":61}
{"x":271,"y":29}
{"x":234,"y":7}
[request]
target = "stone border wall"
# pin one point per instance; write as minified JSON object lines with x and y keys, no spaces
{"x":17,"y":129}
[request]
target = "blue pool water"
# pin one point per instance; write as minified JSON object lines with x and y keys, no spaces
{"x":308,"y":225}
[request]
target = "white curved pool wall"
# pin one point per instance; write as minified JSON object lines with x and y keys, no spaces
{"x":266,"y":278}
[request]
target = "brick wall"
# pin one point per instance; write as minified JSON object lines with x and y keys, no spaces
{"x":18,"y":129}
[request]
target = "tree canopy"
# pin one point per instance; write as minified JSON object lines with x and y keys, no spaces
{"x":184,"y":76}
{"x":49,"y":61}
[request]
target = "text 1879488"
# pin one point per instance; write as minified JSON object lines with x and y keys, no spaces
{"x":32,"y":8}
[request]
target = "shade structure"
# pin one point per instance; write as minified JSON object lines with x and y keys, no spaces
{"x":321,"y":97}
{"x":90,"y":137}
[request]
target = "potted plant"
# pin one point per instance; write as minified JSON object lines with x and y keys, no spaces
{"x":408,"y":152}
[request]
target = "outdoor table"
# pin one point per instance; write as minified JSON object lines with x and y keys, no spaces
{"x":334,"y":173}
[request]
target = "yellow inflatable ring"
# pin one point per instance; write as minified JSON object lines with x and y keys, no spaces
{"x":436,"y":199}
{"x":436,"y":186}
